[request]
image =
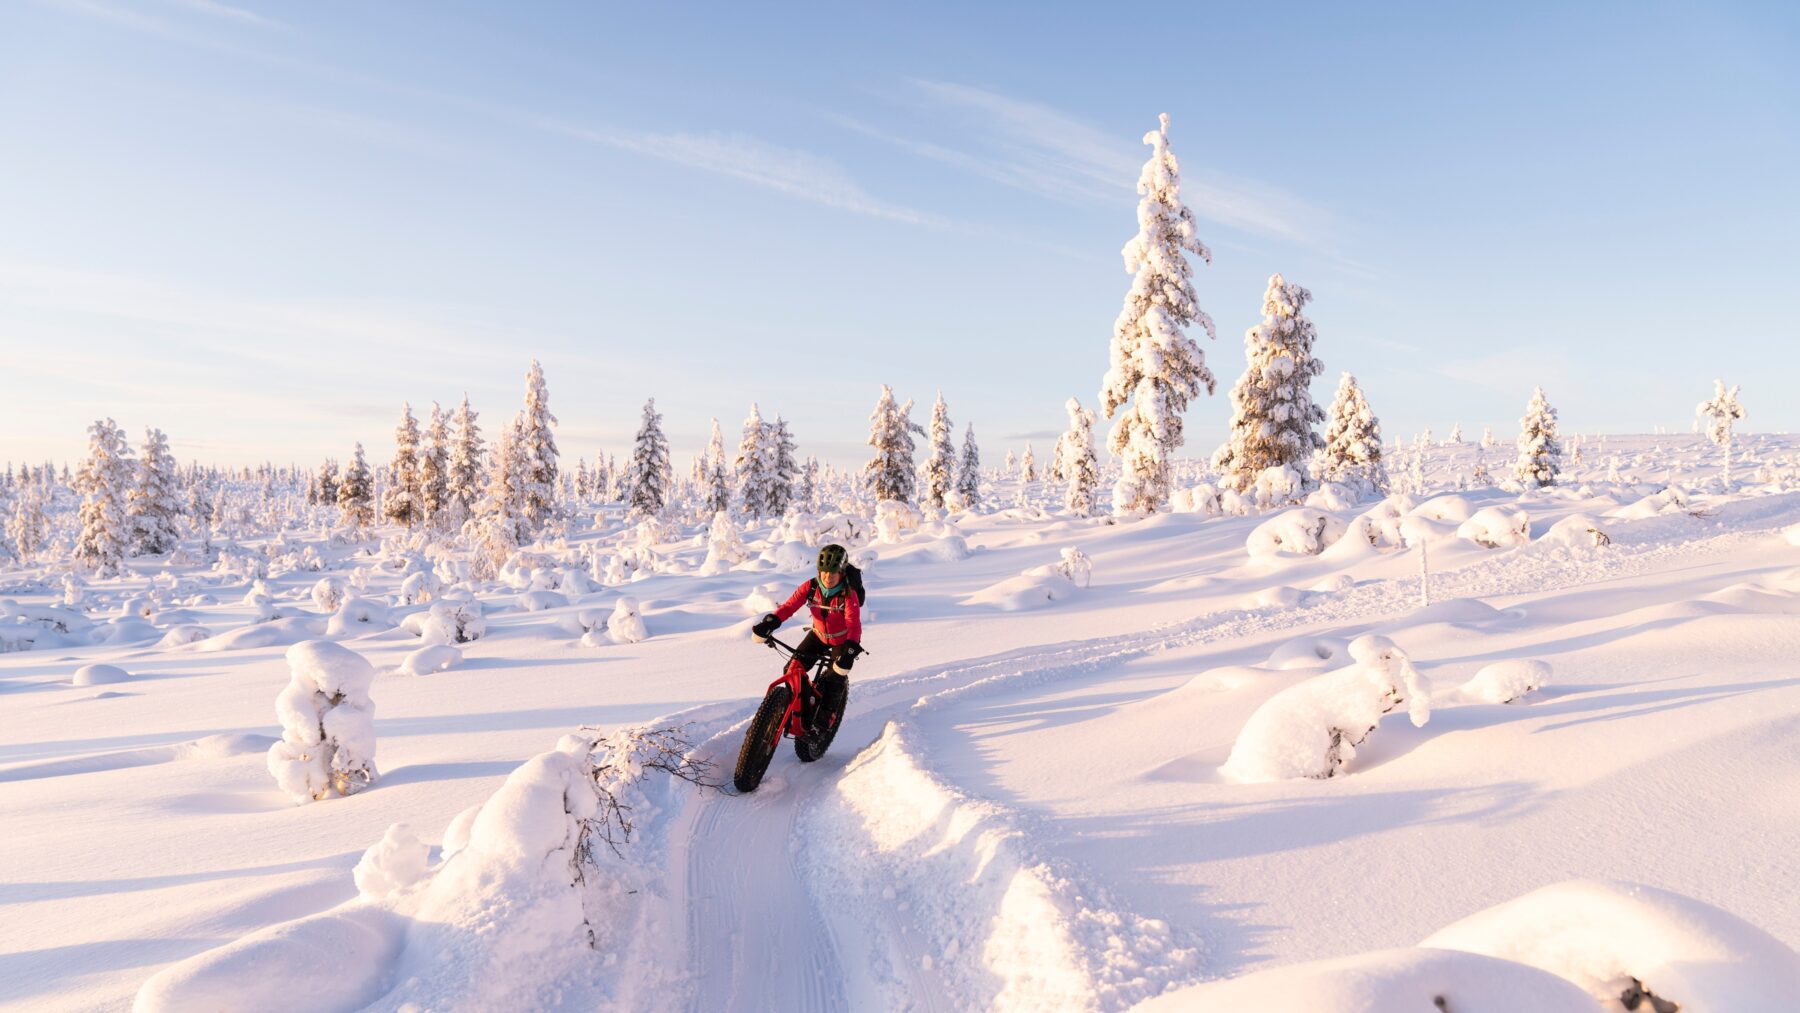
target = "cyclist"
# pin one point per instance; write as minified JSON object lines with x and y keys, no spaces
{"x":835,"y":599}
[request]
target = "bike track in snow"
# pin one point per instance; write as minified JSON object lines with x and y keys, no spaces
{"x":754,"y":937}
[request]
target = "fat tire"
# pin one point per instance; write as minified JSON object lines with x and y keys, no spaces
{"x":760,"y":740}
{"x":812,"y":746}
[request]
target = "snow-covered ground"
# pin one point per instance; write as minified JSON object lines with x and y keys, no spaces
{"x":1029,"y":805}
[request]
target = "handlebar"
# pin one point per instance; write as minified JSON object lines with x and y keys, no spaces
{"x":776,"y":645}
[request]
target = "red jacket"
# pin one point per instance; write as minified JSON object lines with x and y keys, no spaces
{"x":834,"y":621}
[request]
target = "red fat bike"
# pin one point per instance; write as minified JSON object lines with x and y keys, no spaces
{"x":783,"y":712}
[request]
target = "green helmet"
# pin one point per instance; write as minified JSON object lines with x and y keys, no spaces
{"x":832,"y":558}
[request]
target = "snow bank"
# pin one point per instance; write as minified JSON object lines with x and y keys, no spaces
{"x":1308,"y":652}
{"x":990,"y":925}
{"x":1604,"y":936}
{"x":338,"y":960}
{"x":1420,"y":980}
{"x":395,"y":862}
{"x":1506,"y":681}
{"x":181,"y":636}
{"x":1577,"y":531}
{"x":1299,"y":532}
{"x":1040,"y":585}
{"x":1312,"y":729}
{"x":538,"y":601}
{"x":276,"y":633}
{"x":327,"y":721}
{"x":426,"y":660}
{"x":99,"y":675}
{"x":1496,"y":528}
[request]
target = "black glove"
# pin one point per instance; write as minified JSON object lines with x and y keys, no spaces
{"x":845,"y":656}
{"x":762,"y":630}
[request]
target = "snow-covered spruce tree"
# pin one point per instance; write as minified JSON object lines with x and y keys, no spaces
{"x":1487,"y":438}
{"x":327,"y":482}
{"x":968,"y":473}
{"x":890,"y":474}
{"x":434,"y":469}
{"x":1540,"y":452}
{"x":154,"y":507}
{"x":1352,"y":454}
{"x":536,"y":449}
{"x":1456,"y":436}
{"x":464,"y":475}
{"x":940,"y":467}
{"x":648,"y":477}
{"x":1155,"y":368}
{"x":1077,"y":462}
{"x":1272,"y":410}
{"x":104,"y":482}
{"x":402,"y":503}
{"x":718,"y":475}
{"x":1719,"y":412}
{"x":781,"y":477}
{"x":1011,"y":464}
{"x":356,"y":493}
{"x":28,"y":529}
{"x":808,"y":495}
{"x":1028,"y":472}
{"x":327,"y":723}
{"x":754,"y":465}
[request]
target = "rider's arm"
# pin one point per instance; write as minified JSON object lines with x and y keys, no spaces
{"x":852,"y":616}
{"x":792,"y":605}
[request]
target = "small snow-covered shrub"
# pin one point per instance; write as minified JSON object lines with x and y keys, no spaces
{"x":1578,"y":531}
{"x":764,"y":598}
{"x":358,"y":615}
{"x":1312,"y":729}
{"x":1277,"y":486}
{"x":894,"y":520}
{"x":538,"y":601}
{"x":452,"y":621}
{"x":1453,"y":509}
{"x":140,"y":607}
{"x":179,"y":636}
{"x":257,"y":593}
{"x":626,"y":626}
{"x":99,"y":675}
{"x":1299,"y":532}
{"x":419,"y":587}
{"x":1496,"y":528}
{"x":1202,"y":498}
{"x":429,"y":659}
{"x":327,"y":723}
{"x":724,"y":545}
{"x":1332,"y":496}
{"x":1076,"y":567}
{"x":394,"y":863}
{"x":329,"y":593}
{"x":1506,"y":681}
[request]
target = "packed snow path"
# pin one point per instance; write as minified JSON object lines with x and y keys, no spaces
{"x":757,"y":936}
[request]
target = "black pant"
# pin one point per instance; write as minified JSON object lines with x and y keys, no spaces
{"x":830,"y":686}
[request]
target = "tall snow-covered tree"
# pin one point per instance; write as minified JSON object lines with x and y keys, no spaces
{"x":1076,"y":460}
{"x":434,"y":469}
{"x":1272,"y":410}
{"x":808,"y":495}
{"x":718,"y":473}
{"x":537,"y":454}
{"x":464,"y":475}
{"x":890,"y":474}
{"x":781,"y":476}
{"x":1028,"y":472}
{"x":1456,"y":436}
{"x":402,"y":503}
{"x":1540,"y":452}
{"x":28,"y":529}
{"x":755,"y":465}
{"x":649,"y":476}
{"x":1719,"y":412}
{"x":1155,"y":367}
{"x":940,"y":467}
{"x":968,"y":474}
{"x":1352,"y":454}
{"x":356,"y":493}
{"x":1011,"y":464}
{"x":154,"y":506}
{"x":327,"y":483}
{"x":104,"y":482}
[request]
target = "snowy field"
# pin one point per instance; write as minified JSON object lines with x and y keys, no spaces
{"x":1060,"y":784}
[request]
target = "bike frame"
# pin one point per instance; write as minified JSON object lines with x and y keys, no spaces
{"x":792,"y":722}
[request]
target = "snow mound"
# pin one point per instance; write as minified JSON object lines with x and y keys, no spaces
{"x":1669,"y":501}
{"x":1299,"y":532}
{"x":1496,"y":528}
{"x":1308,"y":652}
{"x":327,"y":721}
{"x":1281,"y":596}
{"x":762,"y":600}
{"x":99,"y":675}
{"x":1448,"y":509}
{"x":426,"y":660}
{"x":394,"y":863}
{"x":1506,"y":681}
{"x":1609,"y":937}
{"x":329,"y":593}
{"x":626,"y":625}
{"x":358,"y":615}
{"x":538,"y":601}
{"x":1577,"y":531}
{"x":994,"y":927}
{"x":1792,"y":534}
{"x":125,"y":631}
{"x":1040,"y":585}
{"x":181,"y":636}
{"x":276,"y":633}
{"x":1312,"y":729}
{"x":1386,"y":980}
{"x":336,"y":960}
{"x":452,"y":622}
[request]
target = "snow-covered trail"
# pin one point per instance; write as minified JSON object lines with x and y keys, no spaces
{"x":756,"y":934}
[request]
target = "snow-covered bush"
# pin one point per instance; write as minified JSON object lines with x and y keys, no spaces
{"x":327,"y":723}
{"x":1506,"y":681}
{"x":428,"y":659}
{"x":453,"y":621}
{"x":329,"y":593}
{"x":724,"y":545}
{"x":1578,"y":531}
{"x":419,"y":587}
{"x":394,"y":863}
{"x":626,"y":626}
{"x":187,"y":633}
{"x":1496,"y":528}
{"x":1299,"y":532}
{"x":895,"y":520}
{"x":1312,"y":729}
{"x":1202,"y":498}
{"x":538,"y":601}
{"x":358,"y":615}
{"x":1278,"y":485}
{"x":1076,"y":567}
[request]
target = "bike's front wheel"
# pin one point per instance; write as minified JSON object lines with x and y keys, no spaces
{"x":760,"y":739}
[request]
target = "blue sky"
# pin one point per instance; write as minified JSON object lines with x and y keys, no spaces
{"x":262,"y":227}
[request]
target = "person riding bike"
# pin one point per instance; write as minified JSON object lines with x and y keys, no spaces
{"x":836,"y":607}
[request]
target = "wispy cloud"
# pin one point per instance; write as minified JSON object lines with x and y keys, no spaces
{"x":796,"y":173}
{"x":227,"y":12}
{"x":1515,"y":372}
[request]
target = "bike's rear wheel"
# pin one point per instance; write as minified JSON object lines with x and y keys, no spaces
{"x":760,"y":739}
{"x":811,"y":746}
